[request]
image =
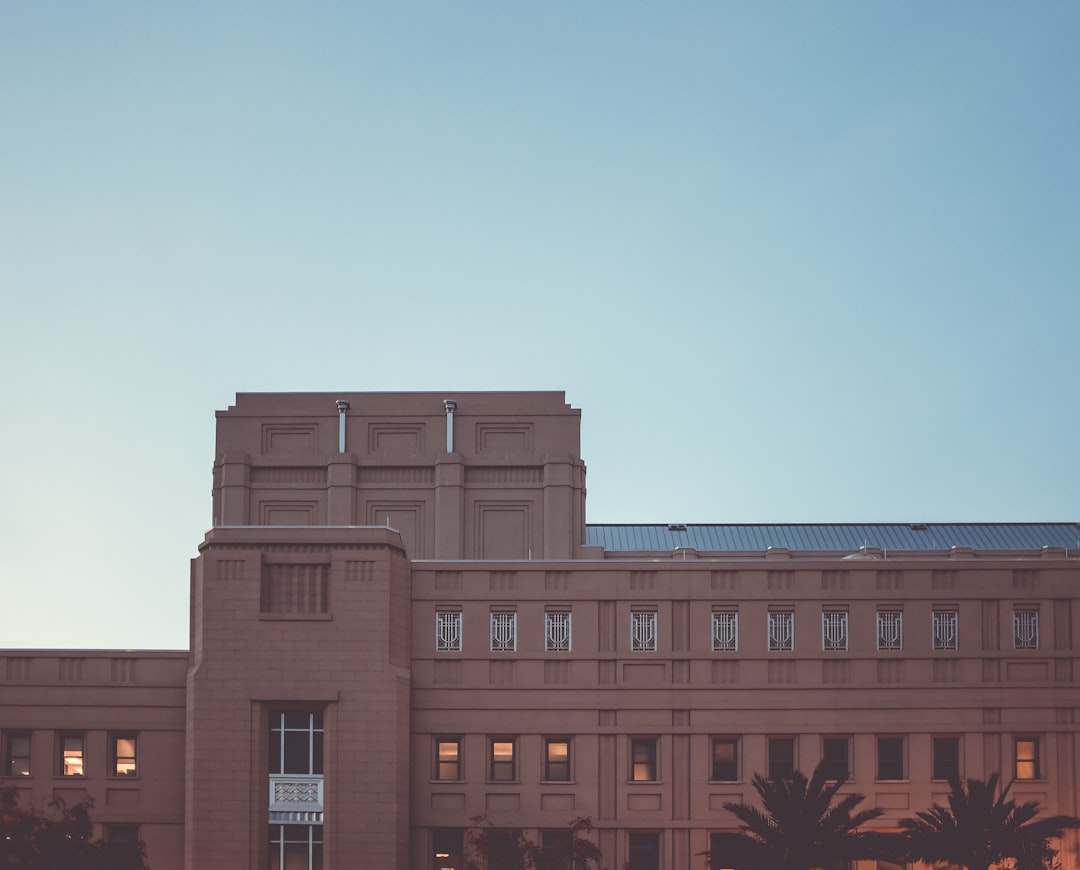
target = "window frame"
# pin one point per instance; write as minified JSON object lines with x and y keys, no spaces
{"x":1026,"y":637}
{"x":558,"y":638}
{"x":448,"y":629}
{"x":825,"y":759}
{"x":316,"y":742}
{"x":1035,"y":760}
{"x":62,"y":754}
{"x":502,"y":630}
{"x":833,"y":618}
{"x":772,"y":761}
{"x":885,"y":639}
{"x":715,"y":771}
{"x":648,"y":760}
{"x":937,"y":760}
{"x":458,"y":762}
{"x":643,"y":630}
{"x":10,"y":757}
{"x":724,"y":629}
{"x":115,"y":758}
{"x":278,"y":840}
{"x":889,"y":741}
{"x":780,"y":627}
{"x":945,"y":621}
{"x":652,"y":846}
{"x":447,"y":844}
{"x":498,"y":766}
{"x":550,"y":766}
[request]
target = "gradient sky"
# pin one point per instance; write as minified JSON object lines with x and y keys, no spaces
{"x":795,"y":261}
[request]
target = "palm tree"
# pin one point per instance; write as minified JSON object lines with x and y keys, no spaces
{"x":799,"y":827}
{"x":981,"y":827}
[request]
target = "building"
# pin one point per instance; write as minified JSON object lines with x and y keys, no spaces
{"x":400,"y":620}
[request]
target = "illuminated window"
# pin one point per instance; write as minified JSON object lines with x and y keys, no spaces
{"x":503,"y":631}
{"x":557,"y":631}
{"x":725,"y":759}
{"x":643,"y":759}
{"x":945,"y":624}
{"x":834,"y":630}
{"x":781,"y":630}
{"x":503,"y":760}
{"x":1027,"y":758}
{"x":448,"y":759}
{"x":643,"y":631}
{"x":448,"y":631}
{"x":557,"y":759}
{"x":946,"y":758}
{"x":890,"y":758}
{"x":296,"y":742}
{"x":781,"y":758}
{"x":725,"y":631}
{"x":72,"y":754}
{"x":296,"y":847}
{"x":447,"y":850}
{"x":17,"y":755}
{"x":890,"y":629}
{"x":122,"y":755}
{"x":835,"y":752}
{"x":1026,"y":628}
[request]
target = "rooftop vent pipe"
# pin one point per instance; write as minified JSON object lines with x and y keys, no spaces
{"x":342,"y":407}
{"x":450,"y":406}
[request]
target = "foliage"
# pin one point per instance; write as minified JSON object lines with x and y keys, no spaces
{"x":60,"y":839}
{"x":799,"y":827}
{"x":494,"y":848}
{"x":981,"y":827}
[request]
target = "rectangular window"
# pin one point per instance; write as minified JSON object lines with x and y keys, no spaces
{"x":1027,"y":758}
{"x":890,"y":758}
{"x":557,"y":759}
{"x":448,"y":631}
{"x":503,"y":759}
{"x":1025,"y":628}
{"x":122,"y":834}
{"x":781,"y":630}
{"x":834,"y":755}
{"x":643,"y":759}
{"x":557,"y":630}
{"x":946,"y":758}
{"x":890,"y":629}
{"x":296,"y":847}
{"x":643,"y":631}
{"x":17,"y":754}
{"x":122,"y":755}
{"x":725,"y":630}
{"x":834,"y":629}
{"x":725,"y":759}
{"x":644,"y":852}
{"x":447,"y":849}
{"x":296,"y":742}
{"x":945,"y":624}
{"x":448,"y":759}
{"x":503,"y":631}
{"x":72,"y":754}
{"x":781,"y":758}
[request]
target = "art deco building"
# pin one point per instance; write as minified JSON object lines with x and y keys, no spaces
{"x":400,"y":620}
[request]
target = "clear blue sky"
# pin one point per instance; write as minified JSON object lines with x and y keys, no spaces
{"x":820,"y":258}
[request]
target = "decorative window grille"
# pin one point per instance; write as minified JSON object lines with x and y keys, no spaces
{"x":781,"y":630}
{"x":643,"y":631}
{"x":725,"y":631}
{"x":1025,"y":628}
{"x":503,"y":631}
{"x":890,"y":629}
{"x":557,"y":631}
{"x":945,"y":623}
{"x":834,"y":630}
{"x":448,"y":631}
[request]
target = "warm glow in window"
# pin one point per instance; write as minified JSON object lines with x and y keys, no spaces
{"x":557,"y":760}
{"x":72,"y":755}
{"x":449,"y":759}
{"x":124,"y":756}
{"x":1027,"y":758}
{"x":502,"y":760}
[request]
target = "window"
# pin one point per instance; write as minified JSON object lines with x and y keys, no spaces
{"x":503,"y":631}
{"x":725,"y":759}
{"x":1027,"y":758}
{"x":557,"y":845}
{"x":946,"y":758}
{"x":834,"y":629}
{"x":296,"y":742}
{"x":296,"y":847}
{"x":781,"y":757}
{"x":448,"y":759}
{"x":890,"y":758}
{"x":122,"y":834}
{"x":643,"y":631}
{"x":17,"y":755}
{"x":781,"y":630}
{"x":890,"y":629}
{"x":834,"y":755}
{"x":725,"y":631}
{"x":122,"y":755}
{"x":944,"y":624}
{"x":446,"y":849}
{"x":557,"y":759}
{"x":72,"y":754}
{"x":643,"y":759}
{"x":1025,"y":628}
{"x":503,"y":759}
{"x":448,"y":631}
{"x":557,"y":630}
{"x":644,"y":852}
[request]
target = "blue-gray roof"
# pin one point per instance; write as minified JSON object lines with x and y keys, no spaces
{"x":834,"y":537}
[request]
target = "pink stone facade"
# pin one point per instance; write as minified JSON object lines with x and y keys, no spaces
{"x":399,"y":623}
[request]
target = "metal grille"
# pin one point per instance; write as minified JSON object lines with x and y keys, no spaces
{"x":781,"y":630}
{"x":890,"y":629}
{"x":1026,"y":629}
{"x":448,"y":631}
{"x":557,"y":632}
{"x":834,"y":630}
{"x":503,"y":632}
{"x":944,"y":623}
{"x":725,"y":631}
{"x":643,"y":631}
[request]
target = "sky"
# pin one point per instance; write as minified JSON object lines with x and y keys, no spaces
{"x":795,"y":261}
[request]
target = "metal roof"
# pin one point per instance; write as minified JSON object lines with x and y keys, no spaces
{"x":834,"y":537}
